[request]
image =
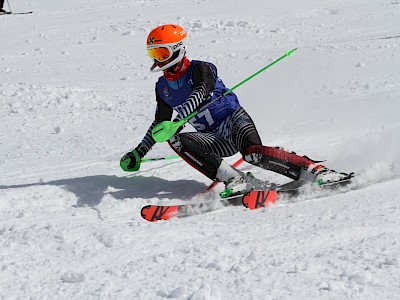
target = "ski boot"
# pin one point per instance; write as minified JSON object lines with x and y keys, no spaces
{"x":236,"y":182}
{"x":321,"y":175}
{"x":237,"y":185}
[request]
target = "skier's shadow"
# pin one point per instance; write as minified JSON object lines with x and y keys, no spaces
{"x":90,"y":190}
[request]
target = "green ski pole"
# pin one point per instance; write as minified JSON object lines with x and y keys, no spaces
{"x":165,"y":130}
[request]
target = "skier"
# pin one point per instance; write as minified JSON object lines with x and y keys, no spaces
{"x":2,"y":11}
{"x":223,"y":129}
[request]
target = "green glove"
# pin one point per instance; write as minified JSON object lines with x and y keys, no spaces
{"x":130,"y":162}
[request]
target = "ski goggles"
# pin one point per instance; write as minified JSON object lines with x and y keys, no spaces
{"x":160,"y":53}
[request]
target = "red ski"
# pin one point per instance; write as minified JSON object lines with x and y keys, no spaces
{"x":253,"y":199}
{"x":259,"y":198}
{"x":153,"y":213}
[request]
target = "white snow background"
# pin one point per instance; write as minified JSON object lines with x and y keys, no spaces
{"x":76,"y":94}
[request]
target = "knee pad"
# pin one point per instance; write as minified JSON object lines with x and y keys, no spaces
{"x":253,"y":158}
{"x":175,"y":143}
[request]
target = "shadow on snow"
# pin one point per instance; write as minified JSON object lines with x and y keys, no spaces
{"x":90,"y":190}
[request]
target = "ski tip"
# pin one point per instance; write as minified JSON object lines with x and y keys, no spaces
{"x":143,"y":211}
{"x":259,"y":198}
{"x":153,"y":213}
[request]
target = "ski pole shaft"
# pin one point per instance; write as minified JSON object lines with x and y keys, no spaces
{"x":160,"y":158}
{"x":288,"y":53}
{"x":165,"y":130}
{"x":9,"y":7}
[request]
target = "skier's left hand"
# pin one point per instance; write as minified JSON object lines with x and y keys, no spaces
{"x":130,"y":162}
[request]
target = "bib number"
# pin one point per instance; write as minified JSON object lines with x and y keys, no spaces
{"x":202,"y":119}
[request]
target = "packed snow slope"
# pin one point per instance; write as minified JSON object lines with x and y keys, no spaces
{"x":76,"y":94}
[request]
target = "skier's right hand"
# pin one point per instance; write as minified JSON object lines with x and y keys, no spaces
{"x":130,"y":162}
{"x":177,"y":119}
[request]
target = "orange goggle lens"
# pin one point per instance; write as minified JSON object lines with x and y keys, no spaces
{"x":159,"y":54}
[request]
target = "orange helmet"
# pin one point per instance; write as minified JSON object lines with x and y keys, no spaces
{"x":164,"y":42}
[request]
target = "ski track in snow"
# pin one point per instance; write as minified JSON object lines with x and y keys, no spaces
{"x":76,"y":94}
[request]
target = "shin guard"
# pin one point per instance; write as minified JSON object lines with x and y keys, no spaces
{"x":195,"y":155}
{"x":278,"y":160}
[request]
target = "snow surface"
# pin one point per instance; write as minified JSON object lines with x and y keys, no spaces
{"x":76,"y":94}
